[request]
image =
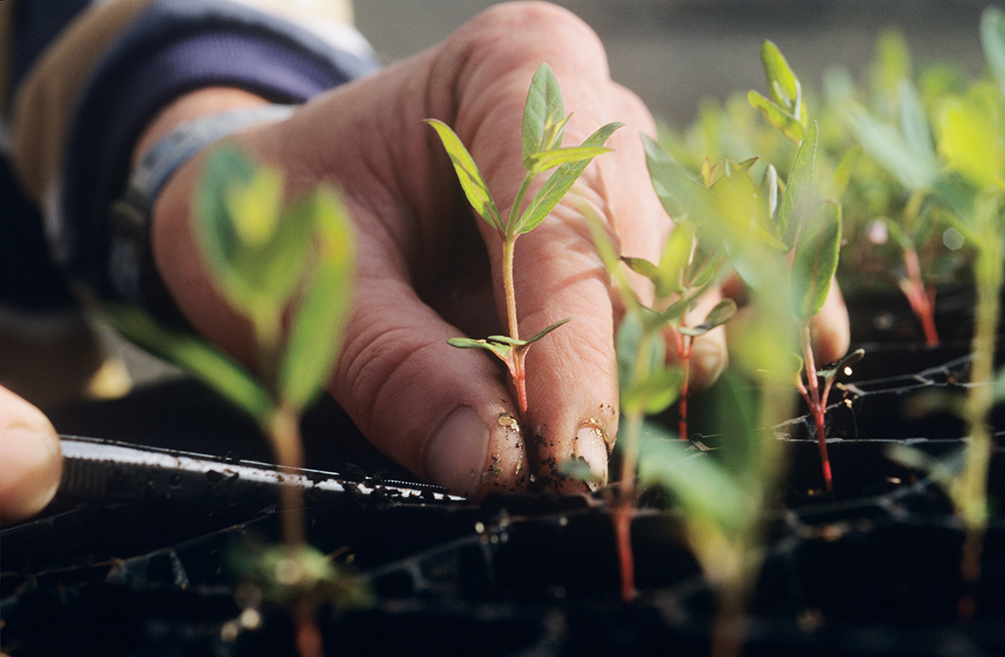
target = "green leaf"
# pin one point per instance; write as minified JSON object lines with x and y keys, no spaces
{"x":472,"y":182}
{"x":705,"y":489}
{"x":816,"y":260}
{"x":798,"y":189}
{"x":891,"y":64}
{"x":830,"y":371}
{"x":993,"y":42}
{"x":971,"y":142}
{"x":675,"y":260}
{"x":719,"y":315}
{"x":915,"y":170}
{"x":559,"y":183}
{"x":843,"y":172}
{"x":254,"y":206}
{"x":255,"y":259}
{"x":541,"y":162}
{"x":654,"y":393}
{"x":914,"y":122}
{"x":544,"y":108}
{"x":777,"y":116}
{"x":545,"y":331}
{"x":639,"y":349}
{"x":668,"y":177}
{"x":642,"y":266}
{"x":783,"y":84}
{"x":503,"y":351}
{"x":316,"y":331}
{"x":197,"y":357}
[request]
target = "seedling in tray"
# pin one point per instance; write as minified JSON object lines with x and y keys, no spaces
{"x":271,"y":260}
{"x":544,"y":121}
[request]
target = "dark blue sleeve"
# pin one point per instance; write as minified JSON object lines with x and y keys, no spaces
{"x":173,"y":47}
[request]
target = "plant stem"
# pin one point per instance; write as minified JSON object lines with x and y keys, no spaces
{"x":517,"y":369}
{"x":685,"y":344}
{"x":973,"y":480}
{"x":284,"y":432}
{"x":816,"y":403}
{"x":919,"y":297}
{"x":624,"y":507}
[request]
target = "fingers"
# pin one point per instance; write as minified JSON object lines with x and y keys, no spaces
{"x":30,"y":461}
{"x":440,"y":411}
{"x":830,"y":328}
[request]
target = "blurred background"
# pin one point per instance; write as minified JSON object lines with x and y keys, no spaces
{"x":674,"y":52}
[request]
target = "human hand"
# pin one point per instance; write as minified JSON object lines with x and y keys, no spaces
{"x":30,"y":462}
{"x":424,"y":274}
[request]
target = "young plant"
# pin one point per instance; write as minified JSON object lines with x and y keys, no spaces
{"x":271,"y":261}
{"x":807,"y":228}
{"x":722,"y":498}
{"x":964,"y":172}
{"x":685,"y":271}
{"x":544,"y":121}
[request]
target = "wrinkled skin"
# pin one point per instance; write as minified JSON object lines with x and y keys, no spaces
{"x":429,"y":268}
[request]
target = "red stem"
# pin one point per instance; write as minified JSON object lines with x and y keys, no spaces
{"x":817,"y":404}
{"x":921,"y":299}
{"x":684,"y":347}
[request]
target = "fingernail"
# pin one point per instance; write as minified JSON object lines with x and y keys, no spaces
{"x":591,"y":446}
{"x":455,"y":455}
{"x":29,"y":471}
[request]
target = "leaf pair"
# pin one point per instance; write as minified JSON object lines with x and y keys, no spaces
{"x":543,"y":128}
{"x":784,"y":108}
{"x":268,"y":258}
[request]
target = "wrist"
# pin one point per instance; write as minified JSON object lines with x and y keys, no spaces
{"x":191,"y":106}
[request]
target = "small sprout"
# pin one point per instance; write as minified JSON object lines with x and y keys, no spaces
{"x":543,"y":129}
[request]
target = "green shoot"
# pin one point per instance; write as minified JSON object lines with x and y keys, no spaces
{"x":270,"y":260}
{"x":964,"y":173}
{"x":809,"y":227}
{"x":543,"y":129}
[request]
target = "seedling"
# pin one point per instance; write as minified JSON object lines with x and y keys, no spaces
{"x":685,"y":271}
{"x":544,"y":122}
{"x":964,"y":172}
{"x":809,"y":229}
{"x":271,"y":260}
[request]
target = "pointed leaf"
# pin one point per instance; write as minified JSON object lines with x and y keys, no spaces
{"x":886,"y":145}
{"x":560,"y":182}
{"x":642,"y":266}
{"x":782,"y":82}
{"x":816,"y":260}
{"x":503,"y":351}
{"x":316,"y":331}
{"x":798,"y":188}
{"x":675,"y":261}
{"x":196,"y":356}
{"x":541,"y":162}
{"x":544,"y":104}
{"x":831,"y":370}
{"x":545,"y":331}
{"x":719,"y":315}
{"x":843,"y":173}
{"x":777,"y":116}
{"x":914,"y":122}
{"x":474,"y":186}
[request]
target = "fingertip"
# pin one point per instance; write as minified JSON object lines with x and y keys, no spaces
{"x":831,"y":328}
{"x":473,"y":457}
{"x":30,"y":460}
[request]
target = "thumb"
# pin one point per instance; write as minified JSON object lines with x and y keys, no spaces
{"x":30,"y":462}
